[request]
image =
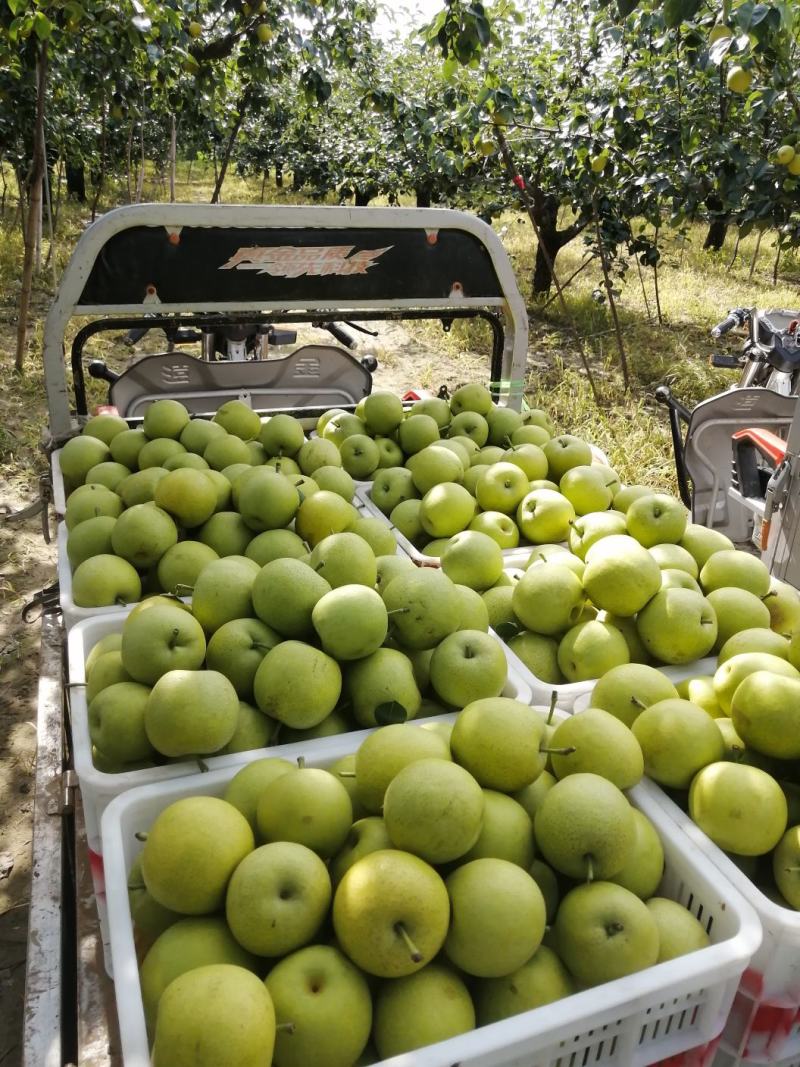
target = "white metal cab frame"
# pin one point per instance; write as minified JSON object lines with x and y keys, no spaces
{"x":195,"y":259}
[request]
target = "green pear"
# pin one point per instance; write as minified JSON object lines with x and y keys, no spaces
{"x":106,"y":670}
{"x":350,"y":621}
{"x":79,"y":455}
{"x":284,"y":595}
{"x":531,"y":796}
{"x":345,"y":770}
{"x":678,"y":739}
{"x":183,"y":946}
{"x":702,"y":543}
{"x":497,"y":918}
{"x":90,"y":502}
{"x":587,"y":530}
{"x":548,"y":598}
{"x":117,"y":721}
{"x":245,"y":788}
{"x":423,"y":607}
{"x":473,"y":559}
{"x":700,"y":691}
{"x":783,"y":604}
{"x":165,"y":418}
{"x":236,"y":650}
{"x":196,"y":434}
{"x":297,"y":684}
{"x":227,"y":533}
{"x":191,"y":713}
{"x":596,"y":742}
{"x":365,"y":836}
{"x":384,"y":753}
{"x":656,"y":519}
{"x":277,"y":898}
{"x":620,"y":575}
{"x":104,"y":581}
{"x":734,"y":568}
{"x":224,"y":591}
{"x":322,"y":515}
{"x":542,"y":980}
{"x":390,"y":913}
{"x":162,"y":639}
{"x":644,"y":868}
{"x":147,"y":915}
{"x":140,"y":487}
{"x":677,"y":626}
{"x":434,"y":406}
{"x":736,"y":610}
{"x":498,"y":740}
{"x":421,"y":1009}
{"x":584,"y":827}
{"x":382,"y":688}
{"x":625,"y":691}
{"x":678,"y":931}
{"x":318,"y":453}
{"x":757,"y":639}
{"x":105,"y":427}
{"x":377,"y":535}
{"x":109,"y":643}
{"x":730,"y":674}
{"x":92,"y":537}
{"x":604,"y":932}
{"x":253,"y":730}
{"x":322,"y":1006}
{"x":468,"y":665}
{"x":764,"y":711}
{"x":142,"y":534}
{"x":741,"y":808}
{"x":192,"y":849}
{"x":275,"y":544}
{"x":547,"y":880}
{"x":309,"y":806}
{"x":180,"y":566}
{"x":539,"y":654}
{"x":126,"y":446}
{"x":506,"y":832}
{"x":216,"y":1016}
{"x":472,"y":397}
{"x":434,"y":809}
{"x":674,"y":557}
{"x":590,"y":649}
{"x":344,"y":559}
{"x":786,"y":866}
{"x":282,"y":435}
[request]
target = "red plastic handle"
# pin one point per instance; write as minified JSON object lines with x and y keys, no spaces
{"x":766,"y":441}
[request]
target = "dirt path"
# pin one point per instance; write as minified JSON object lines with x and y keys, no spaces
{"x":27,"y":564}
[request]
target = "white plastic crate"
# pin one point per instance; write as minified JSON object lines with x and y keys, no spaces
{"x":642,"y":1019}
{"x":57,"y":478}
{"x":764,"y":1022}
{"x":98,"y":789}
{"x":727,"y":1059}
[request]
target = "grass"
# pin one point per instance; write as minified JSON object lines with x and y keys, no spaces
{"x":696,"y":290}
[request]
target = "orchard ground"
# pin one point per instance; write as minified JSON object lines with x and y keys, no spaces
{"x":696,"y":289}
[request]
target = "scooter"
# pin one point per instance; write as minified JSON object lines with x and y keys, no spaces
{"x":728,"y":448}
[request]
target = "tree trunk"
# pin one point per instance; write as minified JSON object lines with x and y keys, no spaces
{"x":278,"y":174}
{"x":424,"y":195}
{"x":754,"y":260}
{"x":140,"y":177}
{"x":363,"y":197}
{"x":228,"y":151}
{"x":173,"y":156}
{"x":129,"y":163}
{"x":551,"y":241}
{"x":20,"y":209}
{"x":264,"y":182}
{"x":5,"y":189}
{"x":715,"y":238}
{"x":34,"y":207}
{"x":101,"y":176}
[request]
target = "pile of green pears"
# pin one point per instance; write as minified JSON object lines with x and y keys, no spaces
{"x":726,"y":748}
{"x":299,"y":648}
{"x":441,"y":877}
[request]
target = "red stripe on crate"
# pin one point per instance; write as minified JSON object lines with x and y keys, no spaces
{"x":772,"y":1025}
{"x":702,"y":1056}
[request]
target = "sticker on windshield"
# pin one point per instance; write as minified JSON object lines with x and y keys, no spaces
{"x":288,"y":261}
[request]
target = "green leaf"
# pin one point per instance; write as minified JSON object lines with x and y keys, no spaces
{"x":678,"y":11}
{"x":42,"y":26}
{"x":506,"y":630}
{"x":390,"y":713}
{"x":626,"y":7}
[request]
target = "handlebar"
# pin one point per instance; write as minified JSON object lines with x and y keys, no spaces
{"x":735,"y":318}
